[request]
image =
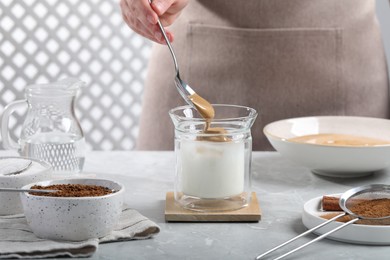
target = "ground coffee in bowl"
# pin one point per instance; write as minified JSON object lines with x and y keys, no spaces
{"x":73,"y":190}
{"x":82,"y":208}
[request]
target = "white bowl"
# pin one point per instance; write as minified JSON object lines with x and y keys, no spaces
{"x":336,"y":161}
{"x":10,"y":201}
{"x":73,"y":218}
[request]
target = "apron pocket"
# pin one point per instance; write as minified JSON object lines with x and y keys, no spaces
{"x":282,"y":73}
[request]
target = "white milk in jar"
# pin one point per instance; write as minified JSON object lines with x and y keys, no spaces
{"x":211,"y":169}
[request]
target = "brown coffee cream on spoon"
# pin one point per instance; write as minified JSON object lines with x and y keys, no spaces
{"x":206,"y":110}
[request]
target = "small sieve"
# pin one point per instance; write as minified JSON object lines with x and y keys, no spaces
{"x":349,"y":202}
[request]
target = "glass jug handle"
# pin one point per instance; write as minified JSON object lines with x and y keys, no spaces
{"x":8,"y":143}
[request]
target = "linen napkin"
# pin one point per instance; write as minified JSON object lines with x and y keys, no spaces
{"x":18,"y":241}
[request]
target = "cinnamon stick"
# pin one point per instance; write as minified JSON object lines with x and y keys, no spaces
{"x":330,"y":203}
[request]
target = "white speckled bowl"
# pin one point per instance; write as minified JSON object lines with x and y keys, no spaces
{"x":10,"y":201}
{"x":73,"y":218}
{"x":335,"y":161}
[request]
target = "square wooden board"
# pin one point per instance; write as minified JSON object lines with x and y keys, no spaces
{"x":175,"y":213}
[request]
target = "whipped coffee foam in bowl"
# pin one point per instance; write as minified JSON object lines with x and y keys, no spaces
{"x":15,"y":172}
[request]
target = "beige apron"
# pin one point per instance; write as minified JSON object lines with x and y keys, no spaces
{"x":285,"y":58}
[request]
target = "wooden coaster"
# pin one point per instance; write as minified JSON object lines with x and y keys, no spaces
{"x":175,"y":213}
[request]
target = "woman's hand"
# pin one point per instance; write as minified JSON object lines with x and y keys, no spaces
{"x":141,"y":16}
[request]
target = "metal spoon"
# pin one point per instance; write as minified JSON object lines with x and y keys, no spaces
{"x":13,"y":166}
{"x":27,"y":190}
{"x":184,"y":89}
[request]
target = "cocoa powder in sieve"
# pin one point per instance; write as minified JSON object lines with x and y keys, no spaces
{"x":72,"y":190}
{"x":376,"y":208}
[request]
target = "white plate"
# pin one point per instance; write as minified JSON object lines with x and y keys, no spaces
{"x":354,"y":233}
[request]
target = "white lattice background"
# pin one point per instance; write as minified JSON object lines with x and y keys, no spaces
{"x":44,"y":41}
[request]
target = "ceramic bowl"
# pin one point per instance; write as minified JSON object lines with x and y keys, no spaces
{"x":73,"y":218}
{"x":333,"y":160}
{"x":10,"y":201}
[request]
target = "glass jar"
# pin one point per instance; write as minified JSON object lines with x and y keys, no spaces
{"x":213,"y":168}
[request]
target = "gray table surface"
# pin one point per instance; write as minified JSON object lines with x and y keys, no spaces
{"x":281,"y":186}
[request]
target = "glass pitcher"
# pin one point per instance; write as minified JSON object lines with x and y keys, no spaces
{"x":213,"y":169}
{"x":51,"y":131}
